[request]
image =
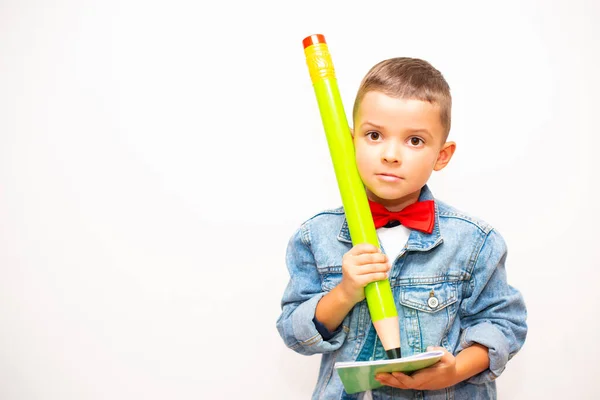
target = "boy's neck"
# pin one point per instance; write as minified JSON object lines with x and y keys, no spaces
{"x":396,"y":204}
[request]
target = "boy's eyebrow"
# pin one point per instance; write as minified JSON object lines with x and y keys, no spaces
{"x":374,"y":125}
{"x":425,"y":131}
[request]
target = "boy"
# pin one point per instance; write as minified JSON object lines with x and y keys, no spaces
{"x":448,"y":279}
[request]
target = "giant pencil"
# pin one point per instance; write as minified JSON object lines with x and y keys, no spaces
{"x":354,"y":198}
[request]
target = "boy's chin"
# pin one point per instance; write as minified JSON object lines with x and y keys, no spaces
{"x":388,"y":193}
{"x":390,"y":196}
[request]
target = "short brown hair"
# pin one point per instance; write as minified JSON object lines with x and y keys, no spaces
{"x":408,"y":78}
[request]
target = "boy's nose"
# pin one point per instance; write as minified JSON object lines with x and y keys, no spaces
{"x":390,"y":154}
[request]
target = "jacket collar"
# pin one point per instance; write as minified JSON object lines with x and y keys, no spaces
{"x":417,"y":240}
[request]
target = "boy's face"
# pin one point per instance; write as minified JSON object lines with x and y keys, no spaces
{"x":398,"y":143}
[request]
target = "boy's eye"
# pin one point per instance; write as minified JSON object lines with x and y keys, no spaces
{"x":373,"y":135}
{"x":415,"y":141}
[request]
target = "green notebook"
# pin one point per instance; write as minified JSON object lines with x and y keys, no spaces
{"x":359,"y":376}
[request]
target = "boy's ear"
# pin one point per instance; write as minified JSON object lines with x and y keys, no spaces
{"x":444,"y":156}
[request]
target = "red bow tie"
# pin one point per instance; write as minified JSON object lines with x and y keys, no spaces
{"x":419,"y":216}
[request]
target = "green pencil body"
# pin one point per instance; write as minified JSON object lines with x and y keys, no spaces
{"x":354,"y":198}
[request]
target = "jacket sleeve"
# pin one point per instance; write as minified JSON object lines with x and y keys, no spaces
{"x":493,"y":313}
{"x":299,"y":302}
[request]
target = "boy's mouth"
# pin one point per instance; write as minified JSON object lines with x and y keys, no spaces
{"x":388,"y":177}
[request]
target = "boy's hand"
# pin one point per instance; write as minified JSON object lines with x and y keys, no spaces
{"x":439,"y":376}
{"x":363,"y":264}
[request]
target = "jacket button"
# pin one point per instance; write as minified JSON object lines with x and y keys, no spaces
{"x":433,"y":302}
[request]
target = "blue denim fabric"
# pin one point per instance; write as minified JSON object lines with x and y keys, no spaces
{"x":461,"y":263}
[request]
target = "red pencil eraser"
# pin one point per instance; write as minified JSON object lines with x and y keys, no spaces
{"x":313,"y":39}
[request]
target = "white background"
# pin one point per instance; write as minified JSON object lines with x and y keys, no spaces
{"x":155,"y":158}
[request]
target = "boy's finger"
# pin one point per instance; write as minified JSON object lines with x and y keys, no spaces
{"x":404,"y":379}
{"x":377,"y":276}
{"x":372,"y":268}
{"x":389,"y":380}
{"x":370,"y":258}
{"x":362,"y":248}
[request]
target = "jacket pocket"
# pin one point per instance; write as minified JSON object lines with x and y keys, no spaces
{"x":429,"y":311}
{"x":428,"y":298}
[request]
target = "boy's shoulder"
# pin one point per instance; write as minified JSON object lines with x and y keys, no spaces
{"x":321,"y":226}
{"x":331,"y":217}
{"x":448,"y":213}
{"x":329,"y":213}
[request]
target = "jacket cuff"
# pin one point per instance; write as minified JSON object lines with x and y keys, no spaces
{"x":491,"y":337}
{"x":322,"y":329}
{"x":306,"y":332}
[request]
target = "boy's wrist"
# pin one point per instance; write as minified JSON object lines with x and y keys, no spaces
{"x":471,"y":361}
{"x":343,"y":296}
{"x":461,"y":371}
{"x":333,"y":308}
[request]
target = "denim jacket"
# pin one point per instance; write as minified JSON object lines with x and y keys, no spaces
{"x":461,"y":264}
